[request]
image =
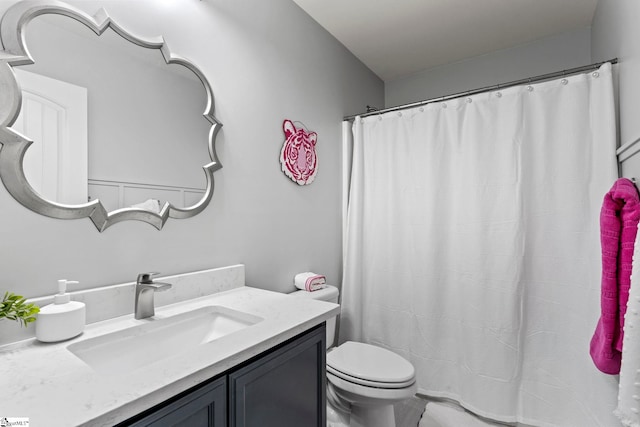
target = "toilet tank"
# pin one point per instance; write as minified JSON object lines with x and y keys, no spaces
{"x":329,"y":294}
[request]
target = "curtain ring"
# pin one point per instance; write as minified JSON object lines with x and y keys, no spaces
{"x":498,"y":93}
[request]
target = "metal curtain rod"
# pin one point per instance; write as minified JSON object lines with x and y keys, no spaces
{"x":542,"y":77}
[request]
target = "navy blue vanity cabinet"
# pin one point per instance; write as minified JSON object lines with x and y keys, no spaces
{"x":281,"y":387}
{"x":204,"y":407}
{"x":285,"y":387}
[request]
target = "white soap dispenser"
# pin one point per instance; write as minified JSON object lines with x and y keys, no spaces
{"x":63,"y":319}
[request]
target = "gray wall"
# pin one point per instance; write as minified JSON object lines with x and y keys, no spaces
{"x":546,"y":55}
{"x":615,"y":32}
{"x":266,"y":61}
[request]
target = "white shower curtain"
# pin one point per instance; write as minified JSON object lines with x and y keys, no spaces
{"x":472,"y":246}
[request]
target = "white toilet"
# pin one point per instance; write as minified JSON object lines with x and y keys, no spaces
{"x":364,"y":381}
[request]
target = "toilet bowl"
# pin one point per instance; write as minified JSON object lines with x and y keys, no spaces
{"x":364,"y":380}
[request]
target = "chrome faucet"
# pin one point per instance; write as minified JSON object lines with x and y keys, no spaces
{"x":145,"y":288}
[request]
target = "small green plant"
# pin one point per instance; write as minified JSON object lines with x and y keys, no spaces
{"x":15,"y":307}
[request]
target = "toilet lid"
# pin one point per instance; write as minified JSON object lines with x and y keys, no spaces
{"x":370,"y":363}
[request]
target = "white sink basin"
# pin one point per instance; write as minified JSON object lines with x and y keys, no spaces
{"x":139,"y":346}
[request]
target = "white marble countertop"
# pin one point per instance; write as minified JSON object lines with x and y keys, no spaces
{"x":52,"y":387}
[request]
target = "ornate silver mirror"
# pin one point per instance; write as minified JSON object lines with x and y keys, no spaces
{"x":97,"y":122}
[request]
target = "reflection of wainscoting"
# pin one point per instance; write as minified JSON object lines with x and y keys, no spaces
{"x":117,"y":194}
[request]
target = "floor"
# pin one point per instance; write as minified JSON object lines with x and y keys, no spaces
{"x":408,"y":412}
{"x":421,"y":411}
{"x":450,"y":414}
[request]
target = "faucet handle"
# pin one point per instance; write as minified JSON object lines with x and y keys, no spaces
{"x":146,"y":277}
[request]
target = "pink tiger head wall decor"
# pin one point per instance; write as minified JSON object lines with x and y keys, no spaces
{"x":298,"y":155}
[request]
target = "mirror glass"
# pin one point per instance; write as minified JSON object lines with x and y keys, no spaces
{"x":110,"y":120}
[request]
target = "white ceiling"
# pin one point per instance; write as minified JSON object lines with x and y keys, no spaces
{"x":395,"y":38}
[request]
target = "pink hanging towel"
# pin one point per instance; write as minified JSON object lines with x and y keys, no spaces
{"x":618,"y":228}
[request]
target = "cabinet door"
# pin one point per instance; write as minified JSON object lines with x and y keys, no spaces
{"x":285,"y":388}
{"x":204,"y":407}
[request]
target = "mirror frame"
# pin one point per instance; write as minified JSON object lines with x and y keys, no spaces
{"x":14,"y":52}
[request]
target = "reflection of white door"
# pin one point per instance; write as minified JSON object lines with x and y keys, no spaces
{"x":54,"y":116}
